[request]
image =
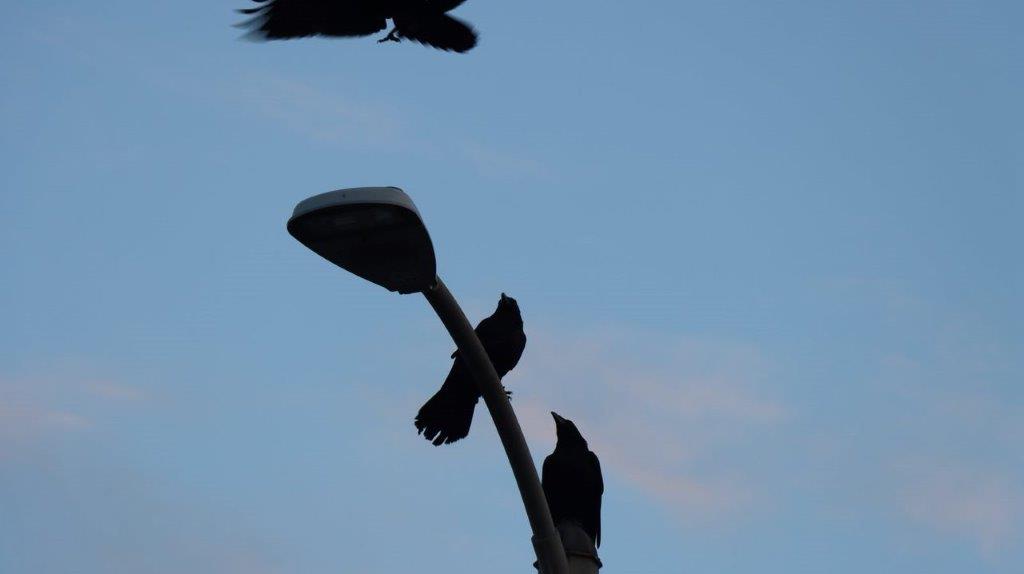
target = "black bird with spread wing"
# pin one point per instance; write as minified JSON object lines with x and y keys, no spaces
{"x":423,"y":21}
{"x":572,"y":481}
{"x":446,"y":417}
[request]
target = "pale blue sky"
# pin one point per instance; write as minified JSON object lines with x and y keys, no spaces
{"x":768,"y":256}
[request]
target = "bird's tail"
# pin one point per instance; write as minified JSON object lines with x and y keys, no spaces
{"x":446,"y":417}
{"x":439,"y":30}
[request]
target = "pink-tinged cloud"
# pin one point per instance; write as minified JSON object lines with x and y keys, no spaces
{"x":944,"y":401}
{"x":112,"y":391}
{"x":39,"y":407}
{"x":982,"y":506}
{"x":23,"y":420}
{"x":668,"y":417}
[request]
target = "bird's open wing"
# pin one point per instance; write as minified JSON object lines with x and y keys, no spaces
{"x":281,"y":19}
{"x":440,"y":31}
{"x":446,"y":5}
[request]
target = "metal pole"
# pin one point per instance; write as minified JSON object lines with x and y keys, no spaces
{"x":579,"y":549}
{"x":546,"y":541}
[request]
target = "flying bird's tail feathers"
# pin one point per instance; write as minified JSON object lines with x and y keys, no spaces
{"x":440,"y":31}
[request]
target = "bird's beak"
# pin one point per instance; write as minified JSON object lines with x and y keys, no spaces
{"x":558,"y":419}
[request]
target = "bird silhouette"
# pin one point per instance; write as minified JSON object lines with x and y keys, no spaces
{"x":423,"y":21}
{"x":572,"y":481}
{"x":447,"y":416}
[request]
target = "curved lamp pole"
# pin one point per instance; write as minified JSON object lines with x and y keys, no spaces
{"x":377,"y":234}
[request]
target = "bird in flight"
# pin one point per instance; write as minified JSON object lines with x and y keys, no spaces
{"x":572,"y":481}
{"x":446,"y":417}
{"x":423,"y":21}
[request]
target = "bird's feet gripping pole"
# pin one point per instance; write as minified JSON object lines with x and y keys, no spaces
{"x":391,"y":37}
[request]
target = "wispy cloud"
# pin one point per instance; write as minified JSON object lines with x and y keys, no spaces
{"x":25,"y":420}
{"x":317,"y":114}
{"x":665,"y":415}
{"x":315,"y":110}
{"x":113,"y":391}
{"x":974,"y":495}
{"x":327,"y":117}
{"x":490,"y":161}
{"x":38,"y":407}
{"x":945,"y":413}
{"x":125,"y":519}
{"x":983,"y":506}
{"x":323,"y":116}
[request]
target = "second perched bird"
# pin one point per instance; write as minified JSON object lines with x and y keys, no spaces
{"x":572,"y":481}
{"x":446,"y":417}
{"x":423,"y":21}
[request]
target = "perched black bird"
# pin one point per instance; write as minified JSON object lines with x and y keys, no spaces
{"x":423,"y":21}
{"x":572,"y":480}
{"x":447,"y":415}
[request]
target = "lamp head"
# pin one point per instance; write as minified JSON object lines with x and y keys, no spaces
{"x":373,"y":232}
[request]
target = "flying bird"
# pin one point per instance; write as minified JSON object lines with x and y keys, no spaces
{"x":446,"y":417}
{"x":423,"y":21}
{"x":572,"y":481}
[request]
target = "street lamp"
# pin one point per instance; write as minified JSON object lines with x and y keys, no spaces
{"x":377,"y":234}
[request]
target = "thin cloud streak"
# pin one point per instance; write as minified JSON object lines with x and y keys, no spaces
{"x":983,"y":506}
{"x":34,"y":408}
{"x":321,"y":116}
{"x":664,"y":423}
{"x":956,"y":454}
{"x":318,"y":115}
{"x":27,"y":420}
{"x":489,"y":161}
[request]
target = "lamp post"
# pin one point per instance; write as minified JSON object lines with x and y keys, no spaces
{"x":377,"y":234}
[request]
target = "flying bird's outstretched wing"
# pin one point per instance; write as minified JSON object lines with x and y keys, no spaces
{"x":440,"y":31}
{"x":282,"y":19}
{"x":445,"y":5}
